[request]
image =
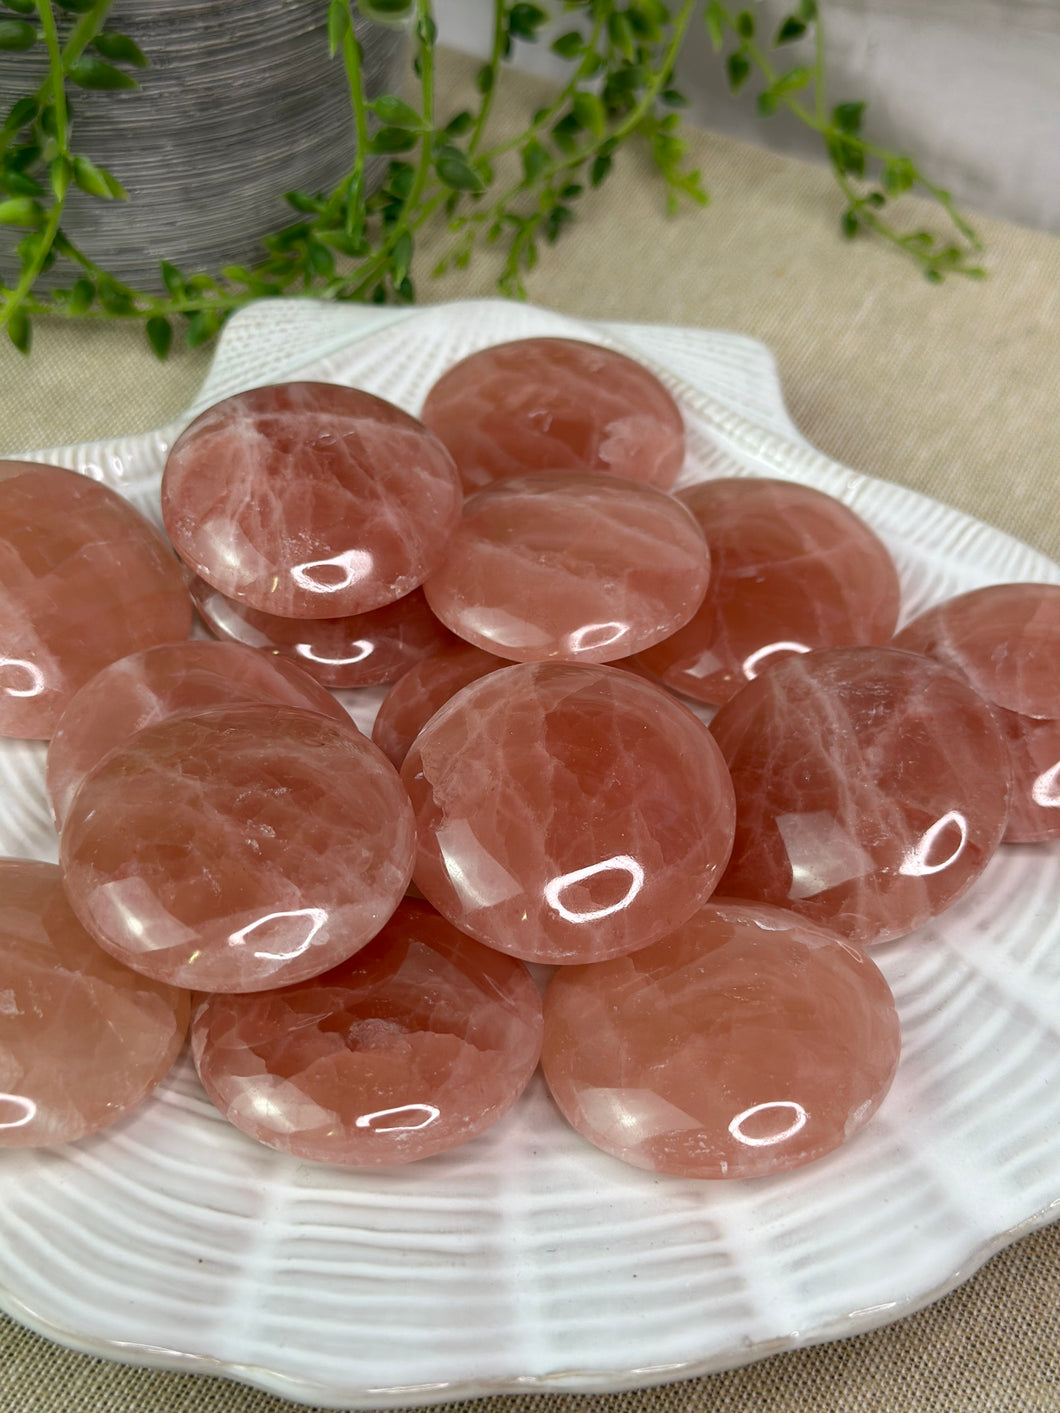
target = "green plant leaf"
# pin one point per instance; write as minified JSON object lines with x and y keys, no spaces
{"x":535,"y":160}
{"x":81,"y":296}
{"x":806,"y":11}
{"x":76,"y":7}
{"x":17,"y":35}
{"x":455,"y":171}
{"x":459,"y":124}
{"x":590,"y":112}
{"x":525,"y":20}
{"x":847,"y":116}
{"x":621,"y":34}
{"x":97,"y":181}
{"x":396,"y":113}
{"x":745,"y":25}
{"x":16,"y":183}
{"x":121,"y":49}
{"x":172,"y":279}
{"x":401,"y":257}
{"x":386,"y":12}
{"x":20,"y":331}
{"x":392,"y":140}
{"x":850,"y":225}
{"x":21,"y":7}
{"x":790,"y":29}
{"x":60,"y":172}
{"x":88,"y":72}
{"x":715,"y":17}
{"x":569,"y":45}
{"x":898,"y":175}
{"x":20,"y":113}
{"x":599,"y":171}
{"x":739,"y":69}
{"x":159,"y":335}
{"x":791,"y":82}
{"x":339,"y":24}
{"x":21,"y":211}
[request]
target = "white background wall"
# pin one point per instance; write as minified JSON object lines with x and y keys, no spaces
{"x":970,"y":88}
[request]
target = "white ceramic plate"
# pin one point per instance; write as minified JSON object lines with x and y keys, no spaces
{"x":527,"y":1260}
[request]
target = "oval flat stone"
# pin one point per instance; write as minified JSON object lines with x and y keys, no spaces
{"x":747,"y":1042}
{"x":361,"y":650}
{"x":84,"y":579}
{"x":872,"y":789}
{"x":174,"y":679}
{"x":1005,"y":639}
{"x":420,"y":1042}
{"x":567,"y":813}
{"x":792,"y":569}
{"x":546,"y":404}
{"x":310,"y":500}
{"x":420,"y":692}
{"x":240,"y":849}
{"x":578,"y":568}
{"x":83,"y":1039}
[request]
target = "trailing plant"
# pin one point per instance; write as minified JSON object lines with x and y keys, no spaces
{"x":359,"y":242}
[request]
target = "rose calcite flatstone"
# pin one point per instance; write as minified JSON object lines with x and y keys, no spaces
{"x":84,"y":579}
{"x":310,"y":500}
{"x":420,"y":1042}
{"x":83,"y":1040}
{"x":1005,"y":639}
{"x":572,"y":567}
{"x":567,"y":813}
{"x":423,"y":690}
{"x":792,"y":569}
{"x":170,"y":680}
{"x":747,"y":1042}
{"x":239,"y":849}
{"x":544,"y":404}
{"x":872,"y":789}
{"x":361,"y":650}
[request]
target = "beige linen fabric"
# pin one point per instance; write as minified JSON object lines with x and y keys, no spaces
{"x":949,"y":390}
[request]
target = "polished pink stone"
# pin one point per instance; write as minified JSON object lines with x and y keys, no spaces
{"x":747,"y":1042}
{"x":871,"y":789}
{"x":82,"y":1039}
{"x":359,"y":651}
{"x":420,"y":692}
{"x":547,"y":404}
{"x":84,"y":579}
{"x":792,"y":569}
{"x":1005,"y":639}
{"x":567,"y":813}
{"x":310,"y":500}
{"x":578,"y":568}
{"x":420,"y":1042}
{"x":170,"y":680}
{"x":240,"y":849}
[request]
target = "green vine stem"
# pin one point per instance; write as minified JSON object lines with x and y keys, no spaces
{"x":353,"y":243}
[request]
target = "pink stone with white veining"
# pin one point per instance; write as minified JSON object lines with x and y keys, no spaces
{"x":546,"y":404}
{"x":572,"y":567}
{"x":792,"y":569}
{"x":361,"y":650}
{"x":566,"y":812}
{"x":170,"y":680}
{"x":240,"y":849}
{"x":747,"y":1042}
{"x":423,"y":690}
{"x":83,"y":1039}
{"x":872,"y":789}
{"x":419,"y":1043}
{"x":1005,"y":639}
{"x":310,"y":500}
{"x":84,"y":579}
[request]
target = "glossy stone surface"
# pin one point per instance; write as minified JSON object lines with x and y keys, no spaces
{"x":174,"y":679}
{"x":567,"y":813}
{"x":83,"y":1040}
{"x":310,"y":500}
{"x":1005,"y":639}
{"x":84,"y":579}
{"x":420,"y":692}
{"x":576,"y":568}
{"x":747,"y":1042}
{"x":420,"y":1042}
{"x":548,"y":404}
{"x":362,"y":650}
{"x":792,"y":570}
{"x":871,"y":789}
{"x":240,"y":849}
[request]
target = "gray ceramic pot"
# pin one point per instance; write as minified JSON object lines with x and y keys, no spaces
{"x":241,"y":103}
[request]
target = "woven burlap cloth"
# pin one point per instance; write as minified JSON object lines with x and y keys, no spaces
{"x":953,"y":390}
